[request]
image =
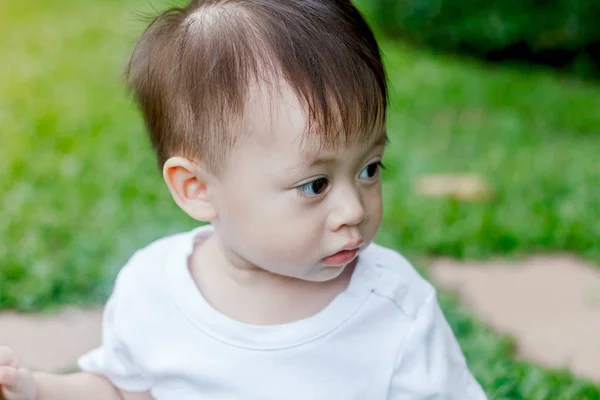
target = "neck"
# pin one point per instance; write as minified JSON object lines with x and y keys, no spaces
{"x":229,"y":266}
{"x":250,"y":294}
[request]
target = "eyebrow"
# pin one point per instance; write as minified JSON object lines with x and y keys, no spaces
{"x":381,"y":140}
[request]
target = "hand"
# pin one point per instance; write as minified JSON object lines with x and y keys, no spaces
{"x":16,"y":381}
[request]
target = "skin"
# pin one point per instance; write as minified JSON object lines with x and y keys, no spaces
{"x":277,"y":216}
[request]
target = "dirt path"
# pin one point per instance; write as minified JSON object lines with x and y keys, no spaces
{"x":51,"y":342}
{"x":551,"y":304}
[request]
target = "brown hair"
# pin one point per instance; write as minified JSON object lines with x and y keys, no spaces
{"x":192,"y":68}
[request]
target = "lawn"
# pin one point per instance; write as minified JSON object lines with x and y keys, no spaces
{"x":80,"y":190}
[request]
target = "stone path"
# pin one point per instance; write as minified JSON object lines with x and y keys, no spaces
{"x":551,"y":304}
{"x":51,"y":342}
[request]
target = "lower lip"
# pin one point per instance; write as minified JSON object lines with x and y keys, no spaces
{"x":340,"y":258}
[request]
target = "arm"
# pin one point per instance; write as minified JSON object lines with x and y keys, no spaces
{"x":18,"y":383}
{"x":80,"y":386}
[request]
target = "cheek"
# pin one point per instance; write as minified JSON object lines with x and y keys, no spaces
{"x":375,"y":212}
{"x":286,"y":229}
{"x":267,"y":224}
{"x":283,"y":246}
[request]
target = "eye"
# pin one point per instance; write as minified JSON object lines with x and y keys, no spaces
{"x":313,"y":188}
{"x":371,"y":170}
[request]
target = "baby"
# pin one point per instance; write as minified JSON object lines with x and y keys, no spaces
{"x":268,"y":120}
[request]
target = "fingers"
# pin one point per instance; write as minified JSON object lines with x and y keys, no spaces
{"x":16,"y":382}
{"x":8,"y":376}
{"x":9,"y":366}
{"x":8,"y":358}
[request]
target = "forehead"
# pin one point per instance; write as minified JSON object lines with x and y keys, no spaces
{"x":275,"y":117}
{"x":316,"y":155}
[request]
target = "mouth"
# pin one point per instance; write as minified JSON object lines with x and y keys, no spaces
{"x":341,"y":257}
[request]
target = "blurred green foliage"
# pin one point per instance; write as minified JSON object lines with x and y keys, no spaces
{"x":79,"y":190}
{"x":562,"y":33}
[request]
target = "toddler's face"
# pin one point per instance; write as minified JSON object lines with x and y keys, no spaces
{"x":291,"y":210}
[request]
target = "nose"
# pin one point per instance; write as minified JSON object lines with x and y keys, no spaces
{"x":348,"y":210}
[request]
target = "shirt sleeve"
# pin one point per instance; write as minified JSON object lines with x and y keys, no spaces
{"x":113,"y":358}
{"x":430,"y":364}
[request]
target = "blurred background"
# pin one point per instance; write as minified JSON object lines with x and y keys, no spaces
{"x":495,"y":142}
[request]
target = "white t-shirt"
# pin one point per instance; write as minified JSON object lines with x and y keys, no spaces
{"x":384,"y":337}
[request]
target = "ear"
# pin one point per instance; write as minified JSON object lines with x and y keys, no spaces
{"x":189,"y":186}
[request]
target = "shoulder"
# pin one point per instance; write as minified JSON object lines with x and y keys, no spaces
{"x":148,"y":262}
{"x":142,"y":280}
{"x":400,"y":283}
{"x":428,"y":361}
{"x":141,"y":292}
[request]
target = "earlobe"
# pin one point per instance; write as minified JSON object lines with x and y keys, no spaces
{"x":189,"y":185}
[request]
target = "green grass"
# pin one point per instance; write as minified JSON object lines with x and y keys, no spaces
{"x":533,"y":136}
{"x":80,"y":190}
{"x":79,"y":185}
{"x":502,"y":377}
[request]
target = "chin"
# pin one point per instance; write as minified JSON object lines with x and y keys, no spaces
{"x":328,"y":273}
